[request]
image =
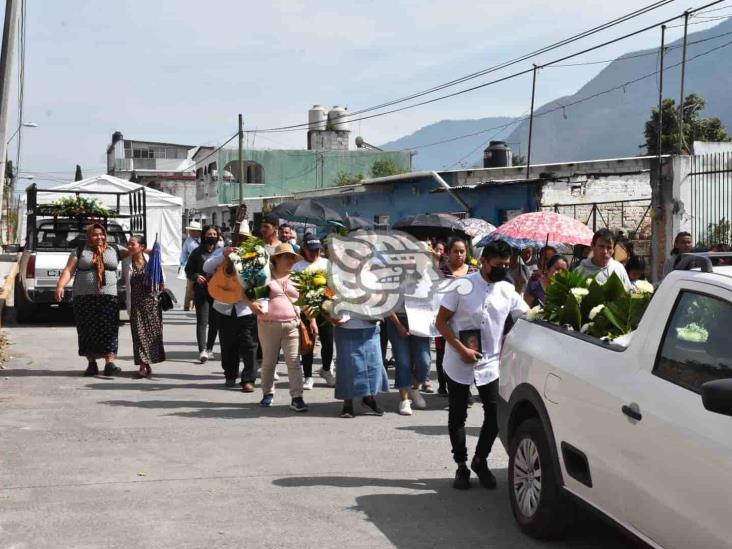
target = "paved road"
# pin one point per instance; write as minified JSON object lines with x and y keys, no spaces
{"x":180,"y":461}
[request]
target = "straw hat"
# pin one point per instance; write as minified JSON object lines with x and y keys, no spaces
{"x":194,"y":226}
{"x":283,"y":249}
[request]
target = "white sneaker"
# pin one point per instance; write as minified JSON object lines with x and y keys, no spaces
{"x":417,"y":399}
{"x":276,"y":376}
{"x":203,"y":357}
{"x":308,"y":383}
{"x":405,"y":408}
{"x":328,"y":376}
{"x":210,"y":354}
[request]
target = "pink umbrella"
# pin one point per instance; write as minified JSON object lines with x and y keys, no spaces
{"x":536,"y":229}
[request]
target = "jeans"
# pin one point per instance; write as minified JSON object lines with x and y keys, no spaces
{"x":237,"y":335}
{"x":275,"y":336}
{"x":205,"y":321}
{"x":412,"y":354}
{"x":458,"y":399}
{"x":384,"y":340}
{"x":325,"y":334}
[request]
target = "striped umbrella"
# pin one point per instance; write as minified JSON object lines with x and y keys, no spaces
{"x":154,"y":269}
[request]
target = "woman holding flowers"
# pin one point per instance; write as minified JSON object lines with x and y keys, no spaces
{"x":279,"y":329}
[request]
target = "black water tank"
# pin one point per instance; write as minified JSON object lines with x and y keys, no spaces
{"x":497,"y":155}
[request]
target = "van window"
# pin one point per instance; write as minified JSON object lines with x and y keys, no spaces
{"x":62,"y":237}
{"x":696,"y":348}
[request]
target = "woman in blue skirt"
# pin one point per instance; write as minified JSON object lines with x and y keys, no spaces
{"x":360,"y":371}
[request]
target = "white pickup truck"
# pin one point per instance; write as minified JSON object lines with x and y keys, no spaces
{"x":642,"y":434}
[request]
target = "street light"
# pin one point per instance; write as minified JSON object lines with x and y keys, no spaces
{"x":23,"y":125}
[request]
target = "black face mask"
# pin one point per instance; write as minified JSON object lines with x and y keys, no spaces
{"x":212,"y":240}
{"x":497,"y":274}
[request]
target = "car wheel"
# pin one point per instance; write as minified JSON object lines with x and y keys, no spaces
{"x":24,"y":309}
{"x":539,"y":506}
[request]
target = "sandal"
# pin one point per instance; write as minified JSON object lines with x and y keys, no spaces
{"x":143,"y":373}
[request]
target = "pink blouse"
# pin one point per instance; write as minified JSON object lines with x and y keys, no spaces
{"x":281,"y":302}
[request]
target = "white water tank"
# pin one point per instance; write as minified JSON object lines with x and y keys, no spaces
{"x":317,"y":118}
{"x":338,"y":118}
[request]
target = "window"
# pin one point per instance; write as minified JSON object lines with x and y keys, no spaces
{"x":695,"y":347}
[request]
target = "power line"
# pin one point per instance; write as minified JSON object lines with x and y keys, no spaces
{"x":503,"y":79}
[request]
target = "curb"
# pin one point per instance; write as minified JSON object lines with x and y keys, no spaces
{"x":6,"y":290}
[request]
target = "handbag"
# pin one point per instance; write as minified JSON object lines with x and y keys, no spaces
{"x":167,"y":300}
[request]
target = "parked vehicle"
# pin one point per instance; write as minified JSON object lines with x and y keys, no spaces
{"x":643,"y":433}
{"x":51,"y":238}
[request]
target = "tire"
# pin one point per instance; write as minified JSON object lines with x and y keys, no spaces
{"x":539,"y":506}
{"x":24,"y":309}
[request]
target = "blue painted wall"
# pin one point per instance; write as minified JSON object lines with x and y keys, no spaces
{"x":405,"y":198}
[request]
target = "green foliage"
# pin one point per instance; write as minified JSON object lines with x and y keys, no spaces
{"x":384,"y":167}
{"x":717,"y":233}
{"x":73,"y":206}
{"x":696,"y":128}
{"x":558,"y":292}
{"x":345,"y":178}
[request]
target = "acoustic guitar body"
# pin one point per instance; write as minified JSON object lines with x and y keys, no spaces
{"x":225,"y":286}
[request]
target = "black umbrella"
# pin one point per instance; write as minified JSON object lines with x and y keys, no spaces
{"x":306,"y":210}
{"x":438,"y":225}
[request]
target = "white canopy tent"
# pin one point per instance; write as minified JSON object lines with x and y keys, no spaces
{"x":164,"y":212}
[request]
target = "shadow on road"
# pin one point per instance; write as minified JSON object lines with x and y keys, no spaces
{"x":437,"y":430}
{"x":439,"y":516}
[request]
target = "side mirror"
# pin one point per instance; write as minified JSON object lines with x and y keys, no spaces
{"x":717,"y":396}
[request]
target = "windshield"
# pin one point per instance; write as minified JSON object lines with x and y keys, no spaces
{"x":65,"y":237}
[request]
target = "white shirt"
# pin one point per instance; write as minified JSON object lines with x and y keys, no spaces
{"x":209,"y":267}
{"x":602,"y":274}
{"x":320,"y":263}
{"x":485,"y":308}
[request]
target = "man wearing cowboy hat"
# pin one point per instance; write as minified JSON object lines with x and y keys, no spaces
{"x":191,"y":243}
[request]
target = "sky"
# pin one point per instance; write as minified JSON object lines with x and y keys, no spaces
{"x":180,"y":71}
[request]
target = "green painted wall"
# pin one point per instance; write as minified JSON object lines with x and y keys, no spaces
{"x":288,"y":171}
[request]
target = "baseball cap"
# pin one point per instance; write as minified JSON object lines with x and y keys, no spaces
{"x":311,"y":242}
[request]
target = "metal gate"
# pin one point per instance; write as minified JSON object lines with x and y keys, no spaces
{"x":711,"y":198}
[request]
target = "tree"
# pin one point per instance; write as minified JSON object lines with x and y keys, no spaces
{"x":345,"y":178}
{"x":384,"y":167}
{"x":518,"y":160}
{"x":696,"y":128}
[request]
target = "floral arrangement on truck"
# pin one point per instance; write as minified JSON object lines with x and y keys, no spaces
{"x":584,"y":305}
{"x":74,"y":206}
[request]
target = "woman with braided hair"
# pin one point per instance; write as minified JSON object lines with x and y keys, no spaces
{"x":95,"y":302}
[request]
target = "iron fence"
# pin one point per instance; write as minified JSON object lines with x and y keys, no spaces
{"x":711,"y":198}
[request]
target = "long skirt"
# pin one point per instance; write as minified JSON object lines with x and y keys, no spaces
{"x":360,"y":371}
{"x":97,"y":324}
{"x":146,"y":324}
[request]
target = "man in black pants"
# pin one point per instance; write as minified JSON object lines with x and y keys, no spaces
{"x":473,"y":327}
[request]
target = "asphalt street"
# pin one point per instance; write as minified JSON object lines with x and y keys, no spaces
{"x":181,"y":461}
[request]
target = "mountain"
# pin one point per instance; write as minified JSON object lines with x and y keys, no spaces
{"x":596,"y":123}
{"x":445,"y":155}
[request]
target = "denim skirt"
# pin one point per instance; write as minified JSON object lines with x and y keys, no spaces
{"x":360,"y":371}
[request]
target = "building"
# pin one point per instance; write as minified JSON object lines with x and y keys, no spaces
{"x":166,"y":167}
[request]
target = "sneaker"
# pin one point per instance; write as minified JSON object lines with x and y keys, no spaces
{"x":405,"y":408}
{"x":210,"y":354}
{"x":276,"y":376}
{"x":370,"y":403}
{"x":347,"y":411}
{"x":203,"y":357}
{"x":462,"y":478}
{"x":417,"y":399}
{"x":91,"y":370}
{"x":298,"y":405}
{"x":111,"y":369}
{"x":308,"y":383}
{"x":328,"y":376}
{"x":266,"y":401}
{"x":480,"y":468}
{"x":427,"y":387}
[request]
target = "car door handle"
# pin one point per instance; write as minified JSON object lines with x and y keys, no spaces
{"x":632,"y":412}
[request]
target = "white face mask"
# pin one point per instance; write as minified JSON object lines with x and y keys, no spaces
{"x":292,"y":241}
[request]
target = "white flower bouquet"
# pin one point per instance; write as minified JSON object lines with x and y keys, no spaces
{"x":251,"y":262}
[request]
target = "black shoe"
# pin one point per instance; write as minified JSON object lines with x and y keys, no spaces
{"x":111,"y":369}
{"x":471,"y":399}
{"x":230,"y":382}
{"x":298,"y":405}
{"x":347,"y":411}
{"x":91,"y":370}
{"x":462,"y":478}
{"x":370,"y":403}
{"x":480,"y":468}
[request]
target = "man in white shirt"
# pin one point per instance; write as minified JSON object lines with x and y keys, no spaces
{"x":191,"y":243}
{"x":310,"y":250}
{"x":601,"y":264}
{"x":473,"y":327}
{"x":237,"y":325}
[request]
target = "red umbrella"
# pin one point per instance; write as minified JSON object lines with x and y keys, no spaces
{"x":536,"y":229}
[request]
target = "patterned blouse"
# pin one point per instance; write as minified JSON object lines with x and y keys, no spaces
{"x":85,"y":279}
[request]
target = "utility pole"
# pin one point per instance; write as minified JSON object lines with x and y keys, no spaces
{"x":531,"y":124}
{"x":683,"y":76}
{"x":660,"y":99}
{"x":241,"y":160}
{"x":6,"y":68}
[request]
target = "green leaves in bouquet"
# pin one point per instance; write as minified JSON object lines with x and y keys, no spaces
{"x":570,"y":313}
{"x":558,"y":292}
{"x":621,"y":316}
{"x":260,"y":292}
